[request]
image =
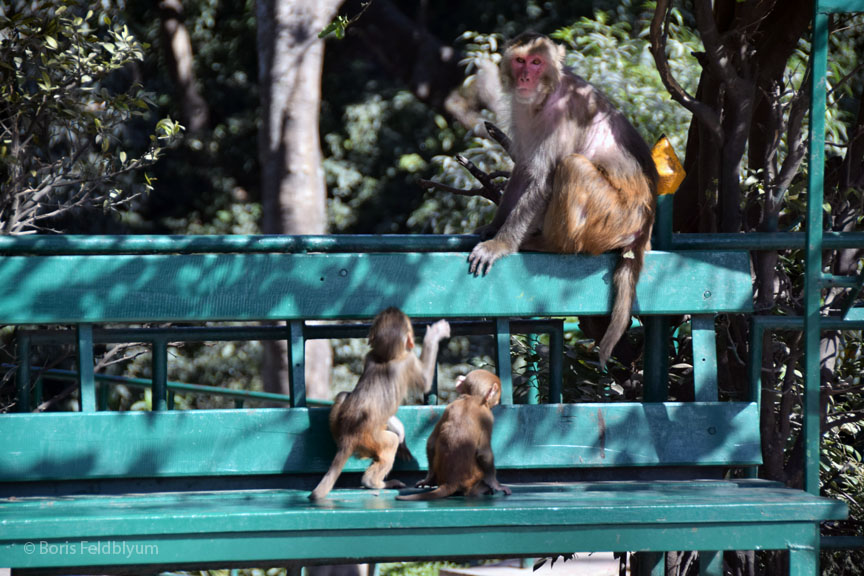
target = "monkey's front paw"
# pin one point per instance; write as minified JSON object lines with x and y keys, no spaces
{"x":505,"y":490}
{"x":394,"y":484}
{"x":485,"y":254}
{"x":439,"y":330}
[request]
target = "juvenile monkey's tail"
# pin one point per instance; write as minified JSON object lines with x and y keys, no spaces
{"x":440,"y":492}
{"x":326,"y":484}
{"x":624,"y":280}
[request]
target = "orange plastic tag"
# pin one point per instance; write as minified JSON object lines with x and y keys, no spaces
{"x":669,"y":168}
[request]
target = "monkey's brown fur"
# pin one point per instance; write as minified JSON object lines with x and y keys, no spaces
{"x":459,"y":450}
{"x":362,"y":421}
{"x":583,"y":180}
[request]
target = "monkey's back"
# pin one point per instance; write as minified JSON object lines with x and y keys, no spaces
{"x":464,"y":428}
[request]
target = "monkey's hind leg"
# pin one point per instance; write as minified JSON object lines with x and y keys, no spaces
{"x":586,"y":213}
{"x":326,"y":484}
{"x":486,"y":462}
{"x":384,"y":454}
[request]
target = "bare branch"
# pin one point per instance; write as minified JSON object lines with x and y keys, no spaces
{"x":499,"y":136}
{"x":716,"y":53}
{"x":847,"y":418}
{"x":795,"y":141}
{"x":484,"y":178}
{"x":658,"y":35}
{"x":491,"y":195}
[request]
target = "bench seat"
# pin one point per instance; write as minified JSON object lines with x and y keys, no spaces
{"x":248,"y":526}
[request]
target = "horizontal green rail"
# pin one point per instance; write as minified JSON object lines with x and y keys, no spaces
{"x":839,"y":6}
{"x":297,"y":440}
{"x":797,"y":323}
{"x":310,"y":332}
{"x":359,"y":243}
{"x":172,"y":386}
{"x":254,"y":287}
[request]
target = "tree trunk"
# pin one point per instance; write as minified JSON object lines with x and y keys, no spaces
{"x":194,"y":112}
{"x":293,"y":193}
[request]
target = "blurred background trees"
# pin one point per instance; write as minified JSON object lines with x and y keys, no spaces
{"x":285,"y":132}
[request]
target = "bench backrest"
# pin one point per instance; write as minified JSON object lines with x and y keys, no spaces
{"x":84,"y":289}
{"x":211,"y":287}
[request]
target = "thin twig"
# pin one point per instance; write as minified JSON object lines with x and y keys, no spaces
{"x":491,"y":195}
{"x":499,"y":136}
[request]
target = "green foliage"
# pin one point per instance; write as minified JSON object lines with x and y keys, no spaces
{"x":373,"y":157}
{"x":615,"y":56}
{"x":340,"y":24}
{"x":65,"y":108}
{"x":415,"y":568}
{"x":210,"y":184}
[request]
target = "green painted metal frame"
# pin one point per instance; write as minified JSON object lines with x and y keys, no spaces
{"x":155,"y":244}
{"x":239,"y":287}
{"x":256,"y":526}
{"x":297,"y":440}
{"x":26,"y":337}
{"x":533,"y":540}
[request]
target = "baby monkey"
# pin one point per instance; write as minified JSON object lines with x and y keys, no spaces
{"x":460,"y":447}
{"x":363,"y":422}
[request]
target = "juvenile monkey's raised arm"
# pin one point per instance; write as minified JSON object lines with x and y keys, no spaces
{"x":434,"y":334}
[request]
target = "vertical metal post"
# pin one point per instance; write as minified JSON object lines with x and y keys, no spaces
{"x":657,"y":327}
{"x":556,"y":361}
{"x":710,"y":563}
{"x":431,"y":399}
{"x":704,"y":358}
{"x":24,"y":404}
{"x":297,"y":363}
{"x":103,"y":393}
{"x":813,"y":262}
{"x":86,"y":376}
{"x":38,"y":396}
{"x":533,"y":396}
{"x":159,"y":362}
{"x":757,"y":337}
{"x":502,"y":359}
{"x":653,"y":563}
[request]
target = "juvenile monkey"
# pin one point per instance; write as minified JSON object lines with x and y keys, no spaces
{"x":459,"y":450}
{"x":583,"y":179}
{"x":363,"y":422}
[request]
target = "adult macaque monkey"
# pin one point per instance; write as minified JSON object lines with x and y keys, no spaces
{"x":459,"y":450}
{"x":363,"y":422}
{"x":583,"y":179}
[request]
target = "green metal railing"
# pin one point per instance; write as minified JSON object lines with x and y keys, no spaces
{"x":818,"y":240}
{"x":159,"y":338}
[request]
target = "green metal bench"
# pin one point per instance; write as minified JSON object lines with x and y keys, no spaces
{"x":103,"y":490}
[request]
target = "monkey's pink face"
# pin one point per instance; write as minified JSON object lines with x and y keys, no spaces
{"x":527,"y":71}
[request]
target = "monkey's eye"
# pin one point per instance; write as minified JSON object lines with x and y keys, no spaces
{"x":536,"y":62}
{"x":520,"y":60}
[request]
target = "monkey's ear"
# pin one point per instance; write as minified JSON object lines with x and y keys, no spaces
{"x":560,"y":53}
{"x":460,"y":380}
{"x":409,"y":341}
{"x":493,"y":393}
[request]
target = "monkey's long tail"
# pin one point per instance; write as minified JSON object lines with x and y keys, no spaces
{"x":625,"y":278}
{"x":326,"y":483}
{"x":440,"y":492}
